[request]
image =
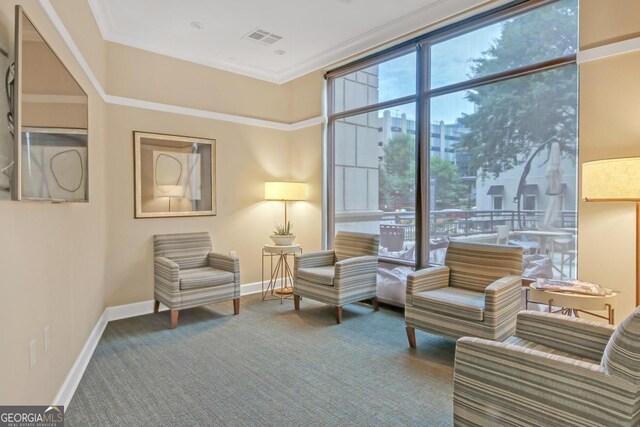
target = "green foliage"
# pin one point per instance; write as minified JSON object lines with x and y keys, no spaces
{"x":450,"y":192}
{"x":283,"y":230}
{"x":398,"y":173}
{"x":513,"y":117}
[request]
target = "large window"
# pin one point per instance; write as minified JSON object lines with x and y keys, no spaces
{"x":458,"y":132}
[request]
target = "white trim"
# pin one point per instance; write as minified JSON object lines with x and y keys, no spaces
{"x":77,"y":370}
{"x":156,"y":106}
{"x":70,"y":384}
{"x":607,"y":50}
{"x":57,"y":22}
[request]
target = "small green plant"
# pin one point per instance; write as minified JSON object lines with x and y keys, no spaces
{"x":283,"y":230}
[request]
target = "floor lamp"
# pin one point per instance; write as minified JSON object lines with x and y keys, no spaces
{"x":285,"y":192}
{"x":615,"y":180}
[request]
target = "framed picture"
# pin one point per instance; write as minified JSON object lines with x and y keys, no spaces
{"x":174,"y":175}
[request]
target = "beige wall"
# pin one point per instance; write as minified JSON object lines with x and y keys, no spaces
{"x":609,"y":127}
{"x":246,"y":157}
{"x":140,"y":74}
{"x":52,"y":260}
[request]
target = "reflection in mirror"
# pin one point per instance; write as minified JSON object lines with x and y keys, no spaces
{"x":51,"y":122}
{"x":6,"y":141}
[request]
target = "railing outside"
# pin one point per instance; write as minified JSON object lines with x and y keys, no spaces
{"x":454,"y":223}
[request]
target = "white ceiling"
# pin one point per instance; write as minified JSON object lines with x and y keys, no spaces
{"x":315,"y":33}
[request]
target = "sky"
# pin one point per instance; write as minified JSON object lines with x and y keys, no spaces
{"x":450,"y":63}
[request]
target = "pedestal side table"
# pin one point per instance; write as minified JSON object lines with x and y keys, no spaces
{"x":281,"y":271}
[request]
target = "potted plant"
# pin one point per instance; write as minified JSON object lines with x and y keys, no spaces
{"x":282,"y":235}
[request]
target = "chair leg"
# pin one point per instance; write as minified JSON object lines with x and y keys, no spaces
{"x":376,"y":303}
{"x":411,"y":336}
{"x":338,"y":315}
{"x":174,"y":318}
{"x":296,"y":302}
{"x":236,"y":306}
{"x":156,"y":306}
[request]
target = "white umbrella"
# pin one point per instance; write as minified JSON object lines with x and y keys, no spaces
{"x":554,"y":189}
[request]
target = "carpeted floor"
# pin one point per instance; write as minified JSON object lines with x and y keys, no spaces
{"x":268,"y":366}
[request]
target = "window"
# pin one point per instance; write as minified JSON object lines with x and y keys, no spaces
{"x":530,"y":202}
{"x":374,"y":152}
{"x":491,"y":135}
{"x":497,"y":203}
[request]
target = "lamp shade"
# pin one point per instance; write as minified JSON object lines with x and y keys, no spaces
{"x":611,"y":180}
{"x":176,"y":191}
{"x":285,"y":191}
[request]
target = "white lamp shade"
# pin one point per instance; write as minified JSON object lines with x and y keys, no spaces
{"x":176,"y":191}
{"x":285,"y":191}
{"x":611,"y":180}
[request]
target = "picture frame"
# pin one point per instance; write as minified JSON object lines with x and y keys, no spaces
{"x":174,"y":176}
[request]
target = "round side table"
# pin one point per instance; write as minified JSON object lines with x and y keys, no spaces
{"x":572,"y":304}
{"x":281,"y":271}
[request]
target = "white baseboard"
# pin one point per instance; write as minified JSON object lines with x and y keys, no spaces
{"x":77,"y":370}
{"x":108,"y":315}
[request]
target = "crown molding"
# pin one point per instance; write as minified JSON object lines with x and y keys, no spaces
{"x":607,"y":50}
{"x":156,"y":106}
{"x":435,"y":11}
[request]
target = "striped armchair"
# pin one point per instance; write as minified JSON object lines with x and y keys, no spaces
{"x":555,"y":371}
{"x":476,"y":293}
{"x":340,"y":276}
{"x":187,"y":274}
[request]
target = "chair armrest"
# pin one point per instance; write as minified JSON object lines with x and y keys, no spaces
{"x":502,"y":300}
{"x":360,"y":270}
{"x":505,"y":381}
{"x":225,"y":263}
{"x":581,"y":337}
{"x":166,"y":274}
{"x":314,"y":259}
{"x":427,"y":279}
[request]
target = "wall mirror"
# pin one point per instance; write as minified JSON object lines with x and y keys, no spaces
{"x":50,"y":120}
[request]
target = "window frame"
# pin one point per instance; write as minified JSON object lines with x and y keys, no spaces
{"x":423,"y":94}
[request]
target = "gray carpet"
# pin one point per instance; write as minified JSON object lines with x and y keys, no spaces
{"x":268,"y":366}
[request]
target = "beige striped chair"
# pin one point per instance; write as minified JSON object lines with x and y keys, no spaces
{"x":187,"y":274}
{"x":340,"y":276}
{"x":476,"y":293}
{"x":556,"y":371}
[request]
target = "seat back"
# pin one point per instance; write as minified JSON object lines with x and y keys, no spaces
{"x":350,"y":244}
{"x":621,"y":357}
{"x":475,"y":266}
{"x":188,"y":250}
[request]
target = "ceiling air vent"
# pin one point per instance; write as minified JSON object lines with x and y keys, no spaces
{"x":263,"y":37}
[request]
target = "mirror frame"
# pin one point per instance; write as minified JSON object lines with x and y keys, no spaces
{"x":16,"y":174}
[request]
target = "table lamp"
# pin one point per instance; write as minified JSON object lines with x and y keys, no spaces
{"x":615,"y":180}
{"x":285,"y":192}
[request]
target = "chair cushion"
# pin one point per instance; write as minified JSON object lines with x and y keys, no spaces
{"x":452,"y":302}
{"x":621,"y":357}
{"x":319,"y":275}
{"x":539,"y":347}
{"x":204,"y":277}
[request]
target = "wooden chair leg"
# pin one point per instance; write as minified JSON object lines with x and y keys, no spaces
{"x":156,"y":306}
{"x":411,"y":336}
{"x":338,"y":315}
{"x":174,"y":319}
{"x":376,"y":303}
{"x":236,"y":306}
{"x":296,"y":302}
